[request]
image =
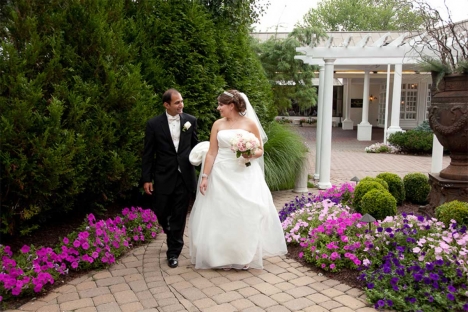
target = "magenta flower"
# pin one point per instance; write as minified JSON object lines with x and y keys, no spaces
{"x":25,"y":249}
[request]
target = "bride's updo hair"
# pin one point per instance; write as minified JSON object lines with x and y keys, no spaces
{"x":234,"y":97}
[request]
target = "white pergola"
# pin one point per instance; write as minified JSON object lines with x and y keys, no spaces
{"x":384,"y":52}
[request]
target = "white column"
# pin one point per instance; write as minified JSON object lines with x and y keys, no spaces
{"x":318,"y":133}
{"x":387,"y":93}
{"x":365,"y":128}
{"x":395,"y":120}
{"x":437,"y":160}
{"x":325,"y":149}
{"x":347,"y":123}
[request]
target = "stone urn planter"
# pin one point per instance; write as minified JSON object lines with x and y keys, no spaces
{"x":448,"y":118}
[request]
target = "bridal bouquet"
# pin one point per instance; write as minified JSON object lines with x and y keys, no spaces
{"x":244,"y":143}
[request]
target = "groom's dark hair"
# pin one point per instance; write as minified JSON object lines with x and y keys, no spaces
{"x":167,"y":96}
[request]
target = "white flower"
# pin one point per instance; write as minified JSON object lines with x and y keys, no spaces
{"x":187,"y":125}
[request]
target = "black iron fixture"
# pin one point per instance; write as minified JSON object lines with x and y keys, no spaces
{"x":367,"y":218}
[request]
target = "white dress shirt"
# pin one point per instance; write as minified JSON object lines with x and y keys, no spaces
{"x":174,"y":127}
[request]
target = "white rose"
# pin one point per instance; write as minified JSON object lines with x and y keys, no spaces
{"x":187,"y":125}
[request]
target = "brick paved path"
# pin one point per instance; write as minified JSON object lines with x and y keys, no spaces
{"x":142,"y":281}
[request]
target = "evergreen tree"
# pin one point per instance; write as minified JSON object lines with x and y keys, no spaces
{"x":79,"y":80}
{"x":73,"y":107}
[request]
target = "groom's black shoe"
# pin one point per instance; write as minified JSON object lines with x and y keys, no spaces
{"x":173,"y":262}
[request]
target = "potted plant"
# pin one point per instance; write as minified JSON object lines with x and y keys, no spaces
{"x":443,"y":47}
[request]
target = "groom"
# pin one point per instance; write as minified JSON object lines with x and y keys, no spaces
{"x":167,"y":174}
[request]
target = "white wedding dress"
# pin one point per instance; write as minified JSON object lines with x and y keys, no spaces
{"x":235,"y":223}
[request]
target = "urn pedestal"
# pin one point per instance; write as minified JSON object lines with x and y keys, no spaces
{"x":448,"y":118}
{"x":442,"y":191}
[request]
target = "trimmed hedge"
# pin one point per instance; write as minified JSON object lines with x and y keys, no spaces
{"x":377,"y":179}
{"x":379,"y":204}
{"x":412,"y":141}
{"x":361,"y":189}
{"x":417,"y":187}
{"x":395,"y":185}
{"x":456,"y":210}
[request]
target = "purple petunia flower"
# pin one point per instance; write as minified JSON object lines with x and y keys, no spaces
{"x":379,"y":304}
{"x":417,"y":277}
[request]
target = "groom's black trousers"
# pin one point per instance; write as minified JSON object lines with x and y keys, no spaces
{"x":171,"y":210}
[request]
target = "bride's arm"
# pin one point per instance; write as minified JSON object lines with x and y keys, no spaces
{"x":210,"y":157}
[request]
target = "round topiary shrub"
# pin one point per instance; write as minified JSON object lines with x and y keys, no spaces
{"x":395,"y":185}
{"x":377,"y":179}
{"x":379,"y":204}
{"x":417,"y":187}
{"x":456,"y":210}
{"x":361,"y":189}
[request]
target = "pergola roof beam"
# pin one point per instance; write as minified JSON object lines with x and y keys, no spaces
{"x":356,"y":61}
{"x":381,"y":41}
{"x":398,"y":41}
{"x":347,"y":41}
{"x":363,"y":42}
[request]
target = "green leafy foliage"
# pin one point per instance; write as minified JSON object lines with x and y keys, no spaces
{"x":412,"y":141}
{"x":290,"y":78}
{"x":80,"y":79}
{"x":284,"y":154}
{"x":361,"y":189}
{"x":376,"y":179}
{"x":363,"y":15}
{"x":395,"y":185}
{"x":379,"y":204}
{"x":417,"y":187}
{"x":73,"y":106}
{"x":456,"y":210}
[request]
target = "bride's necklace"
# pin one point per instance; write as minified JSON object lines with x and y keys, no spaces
{"x":232,"y":122}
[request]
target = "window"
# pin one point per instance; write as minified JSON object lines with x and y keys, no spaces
{"x":408,"y":103}
{"x":428,"y":100}
{"x":382,"y":99}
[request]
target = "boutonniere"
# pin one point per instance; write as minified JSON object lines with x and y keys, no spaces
{"x":187,"y":125}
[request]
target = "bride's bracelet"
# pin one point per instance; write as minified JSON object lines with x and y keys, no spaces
{"x":204,"y":175}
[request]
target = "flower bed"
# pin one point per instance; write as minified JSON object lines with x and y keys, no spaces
{"x":96,"y":244}
{"x":408,"y":262}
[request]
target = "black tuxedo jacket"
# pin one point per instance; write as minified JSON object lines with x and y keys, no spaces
{"x":160,"y":159}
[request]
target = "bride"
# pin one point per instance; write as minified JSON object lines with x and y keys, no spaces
{"x":234,"y":222}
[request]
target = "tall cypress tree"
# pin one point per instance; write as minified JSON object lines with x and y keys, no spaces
{"x":73,"y":106}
